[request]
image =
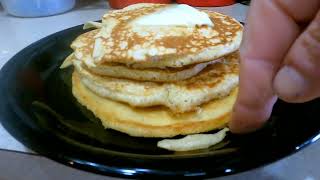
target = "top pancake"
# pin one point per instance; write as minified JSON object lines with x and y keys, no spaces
{"x":121,"y":40}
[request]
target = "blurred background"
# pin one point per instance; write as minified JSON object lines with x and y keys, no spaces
{"x":37,"y":8}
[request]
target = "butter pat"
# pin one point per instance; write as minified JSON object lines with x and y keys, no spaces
{"x":175,"y":15}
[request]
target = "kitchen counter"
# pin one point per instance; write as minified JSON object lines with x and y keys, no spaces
{"x":18,"y":162}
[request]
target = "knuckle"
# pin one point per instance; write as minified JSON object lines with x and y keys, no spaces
{"x":311,"y":42}
{"x":306,"y":56}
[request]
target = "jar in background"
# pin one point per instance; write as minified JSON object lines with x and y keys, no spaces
{"x":204,"y":3}
{"x":118,"y":4}
{"x":36,"y":8}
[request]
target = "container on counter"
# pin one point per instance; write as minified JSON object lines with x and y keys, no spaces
{"x":118,"y":4}
{"x":36,"y":8}
{"x":206,"y":3}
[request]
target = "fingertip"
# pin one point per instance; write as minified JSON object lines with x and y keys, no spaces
{"x":247,"y":119}
{"x":241,"y":124}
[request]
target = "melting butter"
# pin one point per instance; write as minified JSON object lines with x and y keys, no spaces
{"x":193,"y":142}
{"x":175,"y":15}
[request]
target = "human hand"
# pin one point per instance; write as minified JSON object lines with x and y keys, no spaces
{"x":280,"y":57}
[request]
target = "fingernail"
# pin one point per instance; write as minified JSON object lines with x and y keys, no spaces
{"x":289,"y":84}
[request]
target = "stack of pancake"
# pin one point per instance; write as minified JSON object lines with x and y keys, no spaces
{"x":157,"y":80}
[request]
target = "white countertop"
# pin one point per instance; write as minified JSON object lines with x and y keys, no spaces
{"x":17,"y":33}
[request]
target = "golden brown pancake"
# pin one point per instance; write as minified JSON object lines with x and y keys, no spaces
{"x":157,"y":80}
{"x":155,"y":121}
{"x":118,"y":70}
{"x":150,"y":74}
{"x":120,"y":40}
{"x":215,"y":81}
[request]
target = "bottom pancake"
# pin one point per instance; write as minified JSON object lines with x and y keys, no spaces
{"x":155,"y":121}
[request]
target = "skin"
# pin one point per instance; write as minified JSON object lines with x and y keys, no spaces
{"x":280,"y":58}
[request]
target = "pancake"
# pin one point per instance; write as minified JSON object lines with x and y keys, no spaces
{"x":215,"y":81}
{"x":121,"y":40}
{"x":161,"y":78}
{"x":150,"y":74}
{"x":155,"y":121}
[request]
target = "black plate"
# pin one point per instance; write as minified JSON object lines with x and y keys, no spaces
{"x":38,"y":109}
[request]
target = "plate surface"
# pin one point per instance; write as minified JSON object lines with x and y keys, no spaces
{"x":38,"y":109}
